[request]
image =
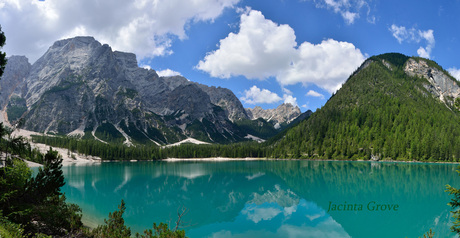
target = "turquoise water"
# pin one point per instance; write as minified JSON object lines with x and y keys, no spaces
{"x":270,"y":198}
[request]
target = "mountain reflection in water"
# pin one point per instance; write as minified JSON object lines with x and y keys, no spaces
{"x":269,"y":198}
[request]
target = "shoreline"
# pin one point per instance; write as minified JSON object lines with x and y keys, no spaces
{"x":71,"y":158}
{"x":222,"y":159}
{"x":215,"y":159}
{"x":92,"y":160}
{"x":68,"y":158}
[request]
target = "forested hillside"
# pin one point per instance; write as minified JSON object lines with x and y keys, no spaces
{"x":381,"y":112}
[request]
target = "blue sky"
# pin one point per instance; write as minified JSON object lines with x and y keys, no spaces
{"x":266,"y":51}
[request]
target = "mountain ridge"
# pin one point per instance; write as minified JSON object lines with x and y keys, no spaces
{"x":80,"y":86}
{"x":281,"y":115}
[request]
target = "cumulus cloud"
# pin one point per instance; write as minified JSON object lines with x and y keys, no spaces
{"x":455,"y":73}
{"x":312,"y":93}
{"x":259,"y":50}
{"x":167,"y":73}
{"x":290,"y":99}
{"x":256,"y":95}
{"x":145,"y":27}
{"x":263,"y":49}
{"x":412,"y":35}
{"x":349,"y":9}
{"x":326,"y":65}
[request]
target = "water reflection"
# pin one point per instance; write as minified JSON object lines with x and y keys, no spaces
{"x":269,"y":198}
{"x":304,"y":219}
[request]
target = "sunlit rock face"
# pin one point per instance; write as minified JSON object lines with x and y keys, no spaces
{"x":80,"y":84}
{"x":440,"y":84}
{"x":284,"y":113}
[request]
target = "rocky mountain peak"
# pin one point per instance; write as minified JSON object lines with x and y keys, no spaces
{"x":127,"y":60}
{"x":284,"y":113}
{"x":74,"y":50}
{"x":80,"y":85}
{"x":226,"y":99}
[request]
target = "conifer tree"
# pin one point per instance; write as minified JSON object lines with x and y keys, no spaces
{"x":2,"y":54}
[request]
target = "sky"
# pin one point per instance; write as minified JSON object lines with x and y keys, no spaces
{"x":268,"y":52}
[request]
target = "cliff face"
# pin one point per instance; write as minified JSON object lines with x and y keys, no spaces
{"x":81,"y":86}
{"x":16,"y":71}
{"x":441,"y":84}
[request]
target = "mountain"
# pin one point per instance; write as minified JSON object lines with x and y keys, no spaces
{"x":393,"y":107}
{"x":81,"y":87}
{"x":282,"y":115}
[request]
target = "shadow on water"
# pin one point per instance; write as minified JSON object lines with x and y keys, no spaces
{"x":269,"y":198}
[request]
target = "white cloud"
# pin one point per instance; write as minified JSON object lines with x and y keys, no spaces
{"x":401,"y":33}
{"x":259,"y":50}
{"x":146,"y":67}
{"x":290,"y":99}
{"x":257,"y":214}
{"x":412,"y":35}
{"x":167,"y":73}
{"x":326,"y":65}
{"x":349,"y":16}
{"x":286,"y":91}
{"x":349,"y":9}
{"x":256,"y":95}
{"x":263,"y":49}
{"x":144,"y":27}
{"x":315,"y":94}
{"x":455,"y":73}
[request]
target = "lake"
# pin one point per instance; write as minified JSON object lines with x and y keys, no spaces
{"x":270,"y":198}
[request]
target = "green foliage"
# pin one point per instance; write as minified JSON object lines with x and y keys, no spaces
{"x":14,"y":178}
{"x":429,"y":234}
{"x":259,"y":128}
{"x":108,"y":132}
{"x":9,"y":229}
{"x":133,"y":132}
{"x":114,"y":227}
{"x":16,"y":107}
{"x":104,"y":151}
{"x":396,"y":59}
{"x":162,"y":231}
{"x":2,"y":54}
{"x":144,"y":152}
{"x":235,"y":150}
{"x":36,"y":203}
{"x":155,"y":134}
{"x":455,"y":204}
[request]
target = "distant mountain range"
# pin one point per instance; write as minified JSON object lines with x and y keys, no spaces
{"x":82,"y":88}
{"x":392,"y":107}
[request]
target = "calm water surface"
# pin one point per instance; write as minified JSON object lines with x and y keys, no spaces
{"x":270,"y":198}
